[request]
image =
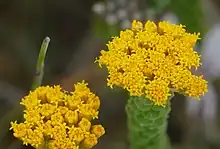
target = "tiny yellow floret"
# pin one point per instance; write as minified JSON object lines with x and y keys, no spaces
{"x":98,"y":130}
{"x":151,"y":59}
{"x":89,"y":141}
{"x":58,"y":117}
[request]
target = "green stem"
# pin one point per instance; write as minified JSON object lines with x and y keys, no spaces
{"x":17,"y":111}
{"x":40,"y":64}
{"x":147,"y":124}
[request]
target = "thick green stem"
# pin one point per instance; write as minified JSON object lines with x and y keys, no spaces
{"x":17,"y":111}
{"x":147,"y":124}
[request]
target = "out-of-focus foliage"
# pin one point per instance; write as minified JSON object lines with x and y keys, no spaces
{"x":103,"y":30}
{"x":190,"y":13}
{"x":158,"y":5}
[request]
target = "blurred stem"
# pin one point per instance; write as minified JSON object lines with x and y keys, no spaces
{"x":40,"y":64}
{"x":17,"y":111}
{"x":147,"y":124}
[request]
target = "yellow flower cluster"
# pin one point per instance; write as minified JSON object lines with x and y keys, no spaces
{"x":60,"y":118}
{"x":149,"y":59}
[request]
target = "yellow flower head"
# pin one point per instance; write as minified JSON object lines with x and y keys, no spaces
{"x":149,"y":59}
{"x":61,"y":118}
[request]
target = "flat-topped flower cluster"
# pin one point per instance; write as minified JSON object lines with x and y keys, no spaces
{"x":61,"y":118}
{"x":151,"y":59}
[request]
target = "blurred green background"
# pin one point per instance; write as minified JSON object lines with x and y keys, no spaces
{"x":79,"y":29}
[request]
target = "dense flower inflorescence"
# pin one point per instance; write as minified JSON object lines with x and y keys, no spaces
{"x":60,"y":118}
{"x":149,"y":59}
